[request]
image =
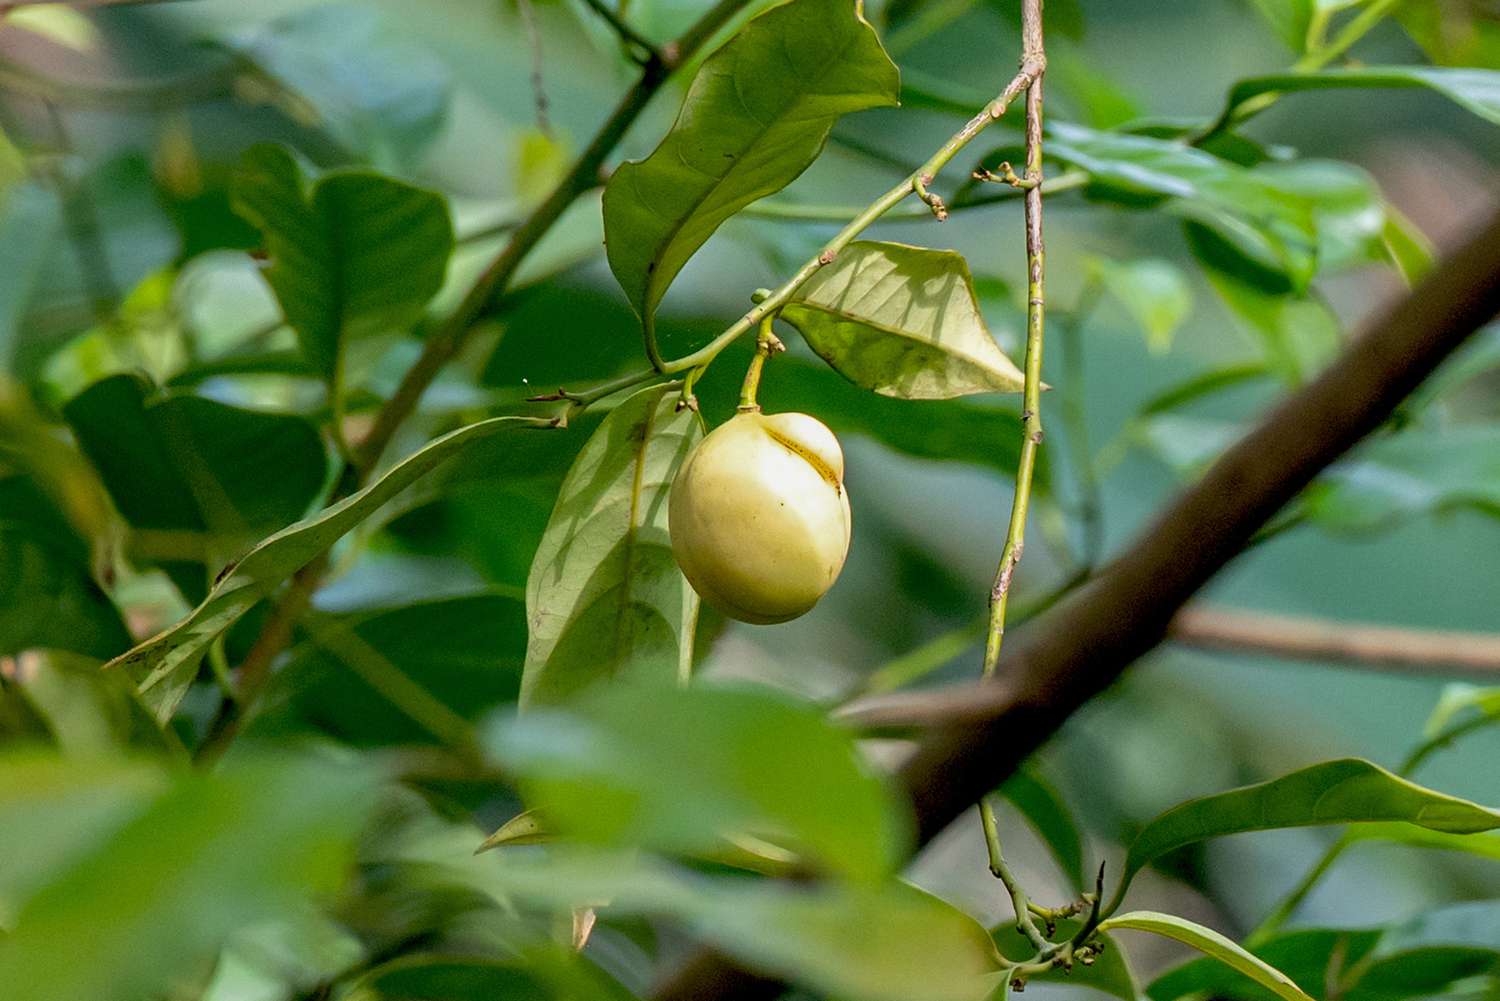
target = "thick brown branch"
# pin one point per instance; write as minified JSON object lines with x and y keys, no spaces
{"x":1302,"y":638}
{"x":982,"y":731}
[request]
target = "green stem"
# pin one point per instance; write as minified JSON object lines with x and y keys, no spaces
{"x":766,"y":345}
{"x":1069,"y":181}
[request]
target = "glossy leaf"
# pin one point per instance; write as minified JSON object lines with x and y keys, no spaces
{"x":1347,"y":790}
{"x":902,"y":321}
{"x":197,"y":480}
{"x":630,"y":765}
{"x":165,"y":664}
{"x":1110,"y":972}
{"x":353,"y":255}
{"x":1154,"y":293}
{"x":186,"y":868}
{"x":376,"y":92}
{"x":882,"y":942}
{"x":756,"y":116}
{"x":45,"y":564}
{"x":1044,"y":809}
{"x":1212,"y":944}
{"x":1475,"y":90}
{"x":605,"y":597}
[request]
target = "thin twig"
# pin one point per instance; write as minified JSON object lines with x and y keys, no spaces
{"x":641,"y":48}
{"x":538,"y":79}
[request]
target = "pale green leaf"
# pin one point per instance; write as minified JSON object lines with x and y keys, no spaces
{"x":902,"y":321}
{"x":1212,"y":944}
{"x":687,"y":770}
{"x":605,"y":596}
{"x":1347,"y":790}
{"x":1154,"y":293}
{"x":525,"y":828}
{"x":165,"y":664}
{"x":354,"y":255}
{"x":1475,"y":90}
{"x":1458,"y":699}
{"x":756,"y":116}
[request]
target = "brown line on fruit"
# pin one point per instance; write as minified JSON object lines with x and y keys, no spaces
{"x":812,"y":459}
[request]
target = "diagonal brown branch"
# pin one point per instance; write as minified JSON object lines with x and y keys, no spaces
{"x":980,"y":732}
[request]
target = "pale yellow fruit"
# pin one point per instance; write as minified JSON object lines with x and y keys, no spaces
{"x":759,"y":516}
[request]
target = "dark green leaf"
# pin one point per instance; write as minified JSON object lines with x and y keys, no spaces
{"x":605,"y":597}
{"x":1044,"y":809}
{"x":44,"y":564}
{"x":165,"y":664}
{"x":902,"y":321}
{"x":185,"y":869}
{"x":682,"y":770}
{"x":355,"y":255}
{"x":1476,"y":90}
{"x":197,"y":480}
{"x":756,"y":115}
{"x":1212,"y":944}
{"x":376,"y":93}
{"x":1344,"y":791}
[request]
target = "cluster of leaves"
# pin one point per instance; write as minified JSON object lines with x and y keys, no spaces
{"x":173,"y":471}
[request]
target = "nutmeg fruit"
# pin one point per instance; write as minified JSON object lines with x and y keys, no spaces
{"x":759,"y":516}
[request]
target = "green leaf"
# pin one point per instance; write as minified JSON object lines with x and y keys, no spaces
{"x":525,"y":828}
{"x":424,"y":977}
{"x":1408,"y":247}
{"x":1212,"y":944}
{"x":1347,"y":790}
{"x":1199,"y":386}
{"x":356,"y":255}
{"x":683,"y":770}
{"x":1298,"y":333}
{"x":1480,"y":845}
{"x":1044,"y":809}
{"x":376,"y":92}
{"x":902,"y":321}
{"x":197,"y":480}
{"x":605,"y":596}
{"x":951,"y":430}
{"x":165,"y":664}
{"x":756,"y":116}
{"x":1475,"y":90}
{"x":882,"y":942}
{"x":1303,"y":955}
{"x":1153,"y":291}
{"x":1110,"y":972}
{"x":186,"y":868}
{"x":1464,"y":33}
{"x":1262,"y":219}
{"x":45,"y":564}
{"x":1455,"y":701}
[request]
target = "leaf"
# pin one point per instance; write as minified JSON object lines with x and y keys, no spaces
{"x":1199,"y":386}
{"x":1264,"y":221}
{"x":210,"y":854}
{"x":902,"y":321}
{"x":1211,"y":943}
{"x":1299,"y":334}
{"x":1044,"y":809}
{"x":1458,"y":699}
{"x":45,"y":564}
{"x":1347,"y":790}
{"x":424,"y":977}
{"x":165,"y":664}
{"x":1303,"y":955}
{"x":1153,"y":292}
{"x":756,"y":116}
{"x":196,"y":479}
{"x":1480,"y":845}
{"x":355,"y":255}
{"x":378,"y":94}
{"x":1475,"y":90}
{"x":604,"y":596}
{"x":1463,"y":33}
{"x":525,"y":828}
{"x":881,"y":942}
{"x":683,"y":770}
{"x":1408,"y":247}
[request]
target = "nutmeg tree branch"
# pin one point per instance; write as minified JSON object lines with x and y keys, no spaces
{"x":977,"y":734}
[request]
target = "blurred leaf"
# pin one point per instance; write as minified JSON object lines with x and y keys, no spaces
{"x":12,"y":161}
{"x":209,"y":855}
{"x":886,"y":942}
{"x":377,"y":94}
{"x":59,"y":24}
{"x":1349,"y":210}
{"x":1298,"y":333}
{"x":355,"y":255}
{"x":165,"y":664}
{"x":1096,"y":97}
{"x":755,"y":117}
{"x":45,"y":564}
{"x":682,"y":770}
{"x":953,"y":430}
{"x":1152,"y":290}
{"x":605,"y":597}
{"x":1110,"y":972}
{"x":1344,"y":791}
{"x":1264,"y":220}
{"x":525,"y":828}
{"x":902,"y":321}
{"x":1044,"y":808}
{"x":1454,"y":33}
{"x":1303,"y":955}
{"x":421,"y":977}
{"x":1475,"y":90}
{"x":86,"y":711}
{"x":1199,"y":386}
{"x":1289,"y":19}
{"x":348,"y":678}
{"x":1457,"y":700}
{"x":1213,"y":944}
{"x":197,"y":480}
{"x":1409,"y":249}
